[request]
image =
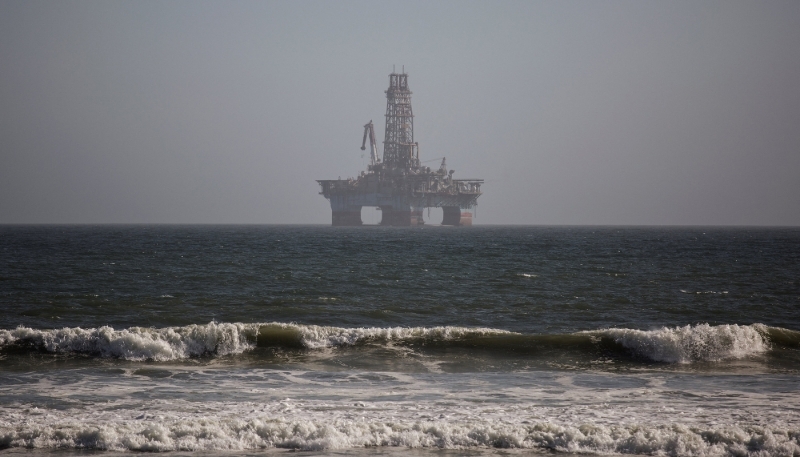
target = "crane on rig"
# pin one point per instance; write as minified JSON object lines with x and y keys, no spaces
{"x":370,"y":130}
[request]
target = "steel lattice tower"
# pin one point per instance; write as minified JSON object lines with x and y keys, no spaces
{"x":399,"y":149}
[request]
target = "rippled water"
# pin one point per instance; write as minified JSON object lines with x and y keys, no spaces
{"x":676,"y":341}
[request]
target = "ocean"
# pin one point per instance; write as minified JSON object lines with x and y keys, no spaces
{"x":488,"y":340}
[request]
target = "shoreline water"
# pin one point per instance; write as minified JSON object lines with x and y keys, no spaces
{"x":489,"y":341}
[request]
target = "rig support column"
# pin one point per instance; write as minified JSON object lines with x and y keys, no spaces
{"x":453,"y":215}
{"x":401,"y":216}
{"x":348,"y":216}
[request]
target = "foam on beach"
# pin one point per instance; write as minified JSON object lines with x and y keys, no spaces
{"x":316,"y":427}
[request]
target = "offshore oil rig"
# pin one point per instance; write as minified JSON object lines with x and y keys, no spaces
{"x":399,"y":185}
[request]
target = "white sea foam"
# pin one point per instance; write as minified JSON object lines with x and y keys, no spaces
{"x":704,"y":292}
{"x":315,"y":336}
{"x":138,"y":343}
{"x":291,"y":425}
{"x":693,"y":343}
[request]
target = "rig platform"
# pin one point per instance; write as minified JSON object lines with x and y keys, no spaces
{"x":399,"y":185}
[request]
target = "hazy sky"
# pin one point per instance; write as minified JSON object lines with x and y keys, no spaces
{"x":641,"y":112}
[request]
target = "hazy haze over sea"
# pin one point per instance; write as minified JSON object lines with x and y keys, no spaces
{"x":621,"y":112}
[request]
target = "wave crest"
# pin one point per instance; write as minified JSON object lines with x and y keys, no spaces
{"x":317,"y":337}
{"x":693,"y":343}
{"x":138,"y":343}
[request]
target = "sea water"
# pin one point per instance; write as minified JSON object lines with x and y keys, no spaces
{"x":203,"y":340}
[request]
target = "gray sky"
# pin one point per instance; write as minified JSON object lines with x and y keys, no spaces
{"x":679,"y":112}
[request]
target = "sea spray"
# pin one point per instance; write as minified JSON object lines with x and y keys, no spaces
{"x":139,"y":343}
{"x":314,"y":337}
{"x":693,"y":343}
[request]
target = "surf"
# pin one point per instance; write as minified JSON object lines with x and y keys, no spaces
{"x":671,"y":345}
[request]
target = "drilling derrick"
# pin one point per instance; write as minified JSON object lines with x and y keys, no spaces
{"x":399,"y":185}
{"x":399,"y":149}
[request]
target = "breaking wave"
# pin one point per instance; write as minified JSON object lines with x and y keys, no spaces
{"x":692,"y":343}
{"x":317,"y":337}
{"x":139,"y":343}
{"x":268,"y":431}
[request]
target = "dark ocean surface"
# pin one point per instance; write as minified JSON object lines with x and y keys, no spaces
{"x":482,"y":340}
